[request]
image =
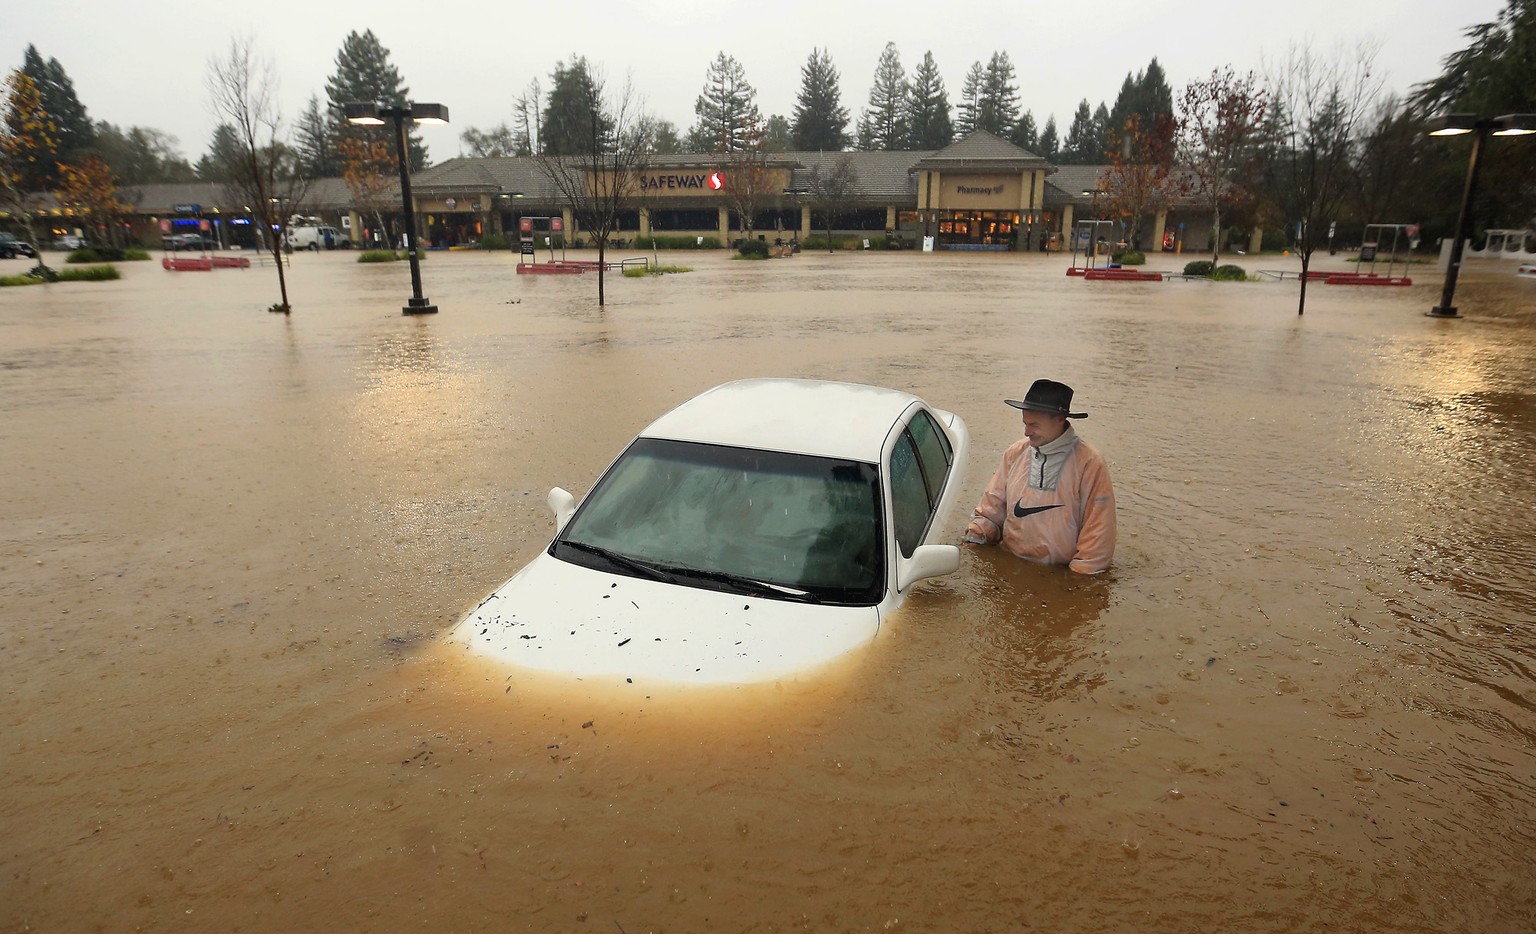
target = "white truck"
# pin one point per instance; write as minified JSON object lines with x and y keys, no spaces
{"x":316,"y":237}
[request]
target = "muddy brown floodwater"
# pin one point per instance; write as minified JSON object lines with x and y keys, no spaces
{"x":231,"y":545}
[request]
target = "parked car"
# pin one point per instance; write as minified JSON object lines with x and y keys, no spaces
{"x":315,"y":238}
{"x":10,"y":247}
{"x":69,"y":242}
{"x":188,"y":241}
{"x":760,"y":529}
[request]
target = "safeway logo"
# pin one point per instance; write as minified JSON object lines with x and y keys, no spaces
{"x":716,"y":181}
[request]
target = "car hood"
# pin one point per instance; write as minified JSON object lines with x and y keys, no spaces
{"x":557,"y":616}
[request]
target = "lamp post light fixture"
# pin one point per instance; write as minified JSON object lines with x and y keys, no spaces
{"x":1459,"y":124}
{"x":375,"y":114}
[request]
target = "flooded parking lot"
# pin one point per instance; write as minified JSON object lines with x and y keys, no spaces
{"x":231,"y":544}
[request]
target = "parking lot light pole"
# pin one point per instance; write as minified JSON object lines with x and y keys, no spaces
{"x":1460,"y":125}
{"x":374,"y":114}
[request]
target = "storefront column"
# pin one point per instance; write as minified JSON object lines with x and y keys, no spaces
{"x":1159,"y":224}
{"x":570,"y":225}
{"x":645,"y":222}
{"x":890,"y":217}
{"x":1256,"y":240}
{"x":805,"y":221}
{"x":725,"y":227}
{"x":1066,"y":222}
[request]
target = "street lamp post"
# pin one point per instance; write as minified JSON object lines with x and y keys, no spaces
{"x":374,"y":114}
{"x":1481,"y":128}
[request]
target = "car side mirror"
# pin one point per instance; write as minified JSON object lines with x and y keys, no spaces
{"x":563,"y":504}
{"x":927,"y":561}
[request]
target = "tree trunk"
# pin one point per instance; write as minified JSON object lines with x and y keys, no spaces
{"x":1306,"y":263}
{"x":602,"y":248}
{"x":1215,"y":239}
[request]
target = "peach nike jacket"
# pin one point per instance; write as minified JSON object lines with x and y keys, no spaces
{"x":1069,"y":521}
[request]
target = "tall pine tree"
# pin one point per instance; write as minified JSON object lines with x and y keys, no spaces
{"x":998,"y":107}
{"x":727,"y":116}
{"x":569,"y":114}
{"x":928,"y":123}
{"x":1025,"y":134}
{"x":74,"y":134}
{"x":315,"y":141}
{"x":970,"y":100}
{"x":883,"y":125}
{"x":1050,"y":146}
{"x":364,"y":74}
{"x":821,"y":120}
{"x":1082,"y":146}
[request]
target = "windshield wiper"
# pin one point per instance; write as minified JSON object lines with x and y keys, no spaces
{"x":761,"y":588}
{"x":622,"y":560}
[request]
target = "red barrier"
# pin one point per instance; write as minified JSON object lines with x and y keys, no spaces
{"x":1365,"y":278}
{"x":552,"y":269}
{"x":1122,"y":275}
{"x":187,"y":265}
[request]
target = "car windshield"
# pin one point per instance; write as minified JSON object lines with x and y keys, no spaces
{"x":758,"y":523}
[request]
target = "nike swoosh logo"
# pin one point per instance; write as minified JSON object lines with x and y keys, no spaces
{"x":1020,"y":512}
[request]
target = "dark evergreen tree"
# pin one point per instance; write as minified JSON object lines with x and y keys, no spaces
{"x":998,"y":105}
{"x":777,"y":136}
{"x":223,"y":157}
{"x":74,"y":134}
{"x":364,"y":73}
{"x":1050,"y":145}
{"x":568,"y":128}
{"x":970,"y":100}
{"x":1145,"y":95}
{"x":315,"y":141}
{"x":821,"y":120}
{"x":1081,"y":146}
{"x":728,"y":118}
{"x":1025,"y":134}
{"x":883,"y":125}
{"x":666,"y":140}
{"x":1101,"y":127}
{"x":140,"y":155}
{"x":928,"y":123}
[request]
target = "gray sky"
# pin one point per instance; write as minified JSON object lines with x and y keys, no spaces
{"x":148,"y":68}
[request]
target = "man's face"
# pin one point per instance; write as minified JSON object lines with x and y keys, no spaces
{"x":1041,"y":428}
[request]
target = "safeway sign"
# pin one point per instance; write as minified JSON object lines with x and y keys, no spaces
{"x":716,"y":181}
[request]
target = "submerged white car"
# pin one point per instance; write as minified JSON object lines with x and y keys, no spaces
{"x":760,"y":529}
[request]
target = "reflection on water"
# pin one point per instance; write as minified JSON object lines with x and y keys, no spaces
{"x":230,"y":544}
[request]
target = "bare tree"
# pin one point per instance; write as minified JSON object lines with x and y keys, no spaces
{"x":601,"y":181}
{"x":243,"y":89}
{"x":749,"y":184}
{"x":1139,"y":178}
{"x":1219,"y":123}
{"x":829,"y":192}
{"x":1321,"y":106}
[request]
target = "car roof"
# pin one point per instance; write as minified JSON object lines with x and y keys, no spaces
{"x":802,"y":416}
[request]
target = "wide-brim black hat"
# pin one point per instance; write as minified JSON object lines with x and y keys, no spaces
{"x":1047,"y":395}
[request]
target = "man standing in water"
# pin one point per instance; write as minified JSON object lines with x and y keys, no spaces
{"x":1051,"y":500}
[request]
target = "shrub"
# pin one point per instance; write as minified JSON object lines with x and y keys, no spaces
{"x":665,"y":242}
{"x":105,"y":254}
{"x":495,"y":241}
{"x":1230,"y":273}
{"x":819,"y":242}
{"x":753,"y":249}
{"x":1200,"y":267}
{"x":385,"y":256}
{"x":639,"y":272}
{"x":1130,"y":258}
{"x":1275,"y":241}
{"x":40,"y":274}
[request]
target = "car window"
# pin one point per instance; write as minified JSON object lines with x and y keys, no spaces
{"x":920,"y":466}
{"x":935,"y":452}
{"x":909,"y":495}
{"x":808,"y":523}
